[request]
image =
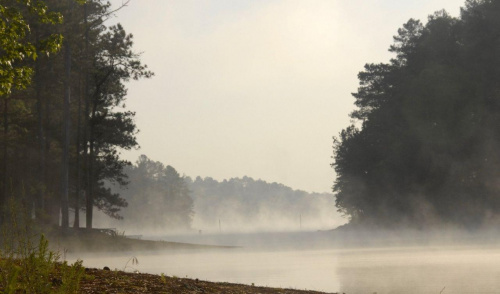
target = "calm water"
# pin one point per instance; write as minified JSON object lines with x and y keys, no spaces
{"x":457,"y":269}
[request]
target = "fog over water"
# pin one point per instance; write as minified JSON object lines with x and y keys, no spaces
{"x":208,"y":206}
{"x":313,"y":260}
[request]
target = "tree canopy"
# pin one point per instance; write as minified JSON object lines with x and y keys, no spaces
{"x":424,"y":150}
{"x":15,"y":46}
{"x":50,"y":169}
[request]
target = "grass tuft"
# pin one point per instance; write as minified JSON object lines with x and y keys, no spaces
{"x":27,"y":266}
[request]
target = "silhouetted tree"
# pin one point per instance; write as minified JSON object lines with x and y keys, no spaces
{"x":424,"y":153}
{"x":98,"y":60}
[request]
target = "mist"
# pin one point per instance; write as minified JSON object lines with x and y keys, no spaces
{"x":159,"y":201}
{"x":248,"y":205}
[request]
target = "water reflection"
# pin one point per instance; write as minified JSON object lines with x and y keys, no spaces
{"x":420,"y":270}
{"x":463,"y":269}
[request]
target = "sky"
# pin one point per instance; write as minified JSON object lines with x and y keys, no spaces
{"x":256,"y":88}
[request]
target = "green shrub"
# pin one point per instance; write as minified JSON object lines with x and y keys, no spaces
{"x":29,"y":267}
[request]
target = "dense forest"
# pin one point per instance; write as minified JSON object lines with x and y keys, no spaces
{"x":62,"y":89}
{"x":425,"y":148}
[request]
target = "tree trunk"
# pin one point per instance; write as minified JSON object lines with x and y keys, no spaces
{"x":4,"y":197}
{"x":50,"y":214}
{"x":92,"y":175}
{"x":86,"y":130}
{"x":90,"y":195}
{"x":76,"y":223}
{"x":65,"y":157}
{"x":39,"y":203}
{"x":92,"y":161}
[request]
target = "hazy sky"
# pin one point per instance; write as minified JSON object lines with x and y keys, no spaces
{"x":256,"y":88}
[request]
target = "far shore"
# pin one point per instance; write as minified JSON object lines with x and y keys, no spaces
{"x":101,"y":240}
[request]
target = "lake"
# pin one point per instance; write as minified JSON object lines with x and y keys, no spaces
{"x":307,"y":261}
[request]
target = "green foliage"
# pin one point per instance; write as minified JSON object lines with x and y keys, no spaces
{"x":15,"y":18}
{"x":28,"y":267}
{"x":102,"y":61}
{"x":71,"y":276}
{"x":38,"y":270}
{"x":425,"y":149}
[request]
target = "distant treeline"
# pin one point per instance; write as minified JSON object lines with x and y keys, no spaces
{"x":160,"y":200}
{"x":248,"y":204}
{"x":425,"y":148}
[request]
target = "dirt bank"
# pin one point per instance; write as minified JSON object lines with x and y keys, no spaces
{"x":104,"y":281}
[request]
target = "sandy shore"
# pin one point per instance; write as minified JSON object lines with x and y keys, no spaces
{"x":105,"y":281}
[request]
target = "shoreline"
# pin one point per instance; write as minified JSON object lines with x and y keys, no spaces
{"x":108,"y":281}
{"x":97,"y":242}
{"x":119,"y":281}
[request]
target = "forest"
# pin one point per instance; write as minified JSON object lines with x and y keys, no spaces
{"x":176,"y":203}
{"x":245,"y":204}
{"x":159,"y":199}
{"x":423,"y":148}
{"x":64,"y":121}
